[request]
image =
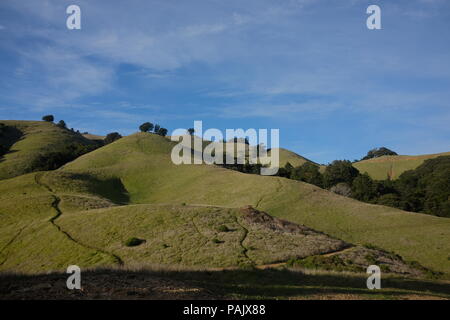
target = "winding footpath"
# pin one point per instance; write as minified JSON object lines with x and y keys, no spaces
{"x":55,"y":205}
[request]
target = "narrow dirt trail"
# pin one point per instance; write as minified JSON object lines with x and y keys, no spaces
{"x":330,"y":254}
{"x":241,"y":242}
{"x":56,"y":207}
{"x":204,"y":205}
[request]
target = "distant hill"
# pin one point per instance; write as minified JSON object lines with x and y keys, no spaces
{"x":93,"y":137}
{"x":289,"y":156}
{"x":29,"y":141}
{"x":86,"y":210}
{"x":285,"y":155}
{"x":393,"y":166}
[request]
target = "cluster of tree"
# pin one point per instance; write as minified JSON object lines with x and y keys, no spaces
{"x":231,"y":163}
{"x":155,"y":128}
{"x":425,"y":189}
{"x":61,"y":123}
{"x":338,"y":172}
{"x":54,"y":160}
{"x":379,"y":152}
{"x":245,"y":168}
{"x":48,"y":118}
{"x":111,"y":137}
{"x":51,"y":118}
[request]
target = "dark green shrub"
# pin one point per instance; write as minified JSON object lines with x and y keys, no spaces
{"x":62,"y":124}
{"x":223,"y":228}
{"x":379,"y":152}
{"x":146,"y":127}
{"x":363,"y":188}
{"x":339,"y":171}
{"x":309,"y":173}
{"x":48,"y":118}
{"x":133,"y":242}
{"x":162,"y":132}
{"x":111,"y":137}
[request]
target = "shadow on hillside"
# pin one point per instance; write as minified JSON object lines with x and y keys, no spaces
{"x":226,"y":284}
{"x":113,"y":189}
{"x":110,"y":188}
{"x":9,"y":137}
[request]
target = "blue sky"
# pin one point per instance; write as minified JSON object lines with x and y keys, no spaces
{"x":310,"y":68}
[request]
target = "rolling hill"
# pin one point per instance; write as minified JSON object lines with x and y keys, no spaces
{"x":93,"y":137}
{"x":84,"y":211}
{"x":392,"y":166}
{"x":289,"y":156}
{"x":29,"y":141}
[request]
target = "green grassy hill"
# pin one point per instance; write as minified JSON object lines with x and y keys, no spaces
{"x":84,"y":211}
{"x":393,"y":166}
{"x":240,"y":148}
{"x":27,"y":141}
{"x":288,"y":156}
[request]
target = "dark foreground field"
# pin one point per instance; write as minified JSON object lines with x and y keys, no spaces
{"x":217,"y":284}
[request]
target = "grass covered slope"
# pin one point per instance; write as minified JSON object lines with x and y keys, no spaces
{"x":288,"y":156}
{"x":193,"y":236}
{"x":85,"y":211}
{"x":392,"y":166}
{"x":61,"y":219}
{"x":142,"y":163}
{"x":29,"y":141}
{"x":30,"y":240}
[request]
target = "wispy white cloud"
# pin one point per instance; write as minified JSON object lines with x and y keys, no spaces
{"x":60,"y":77}
{"x":292,"y":60}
